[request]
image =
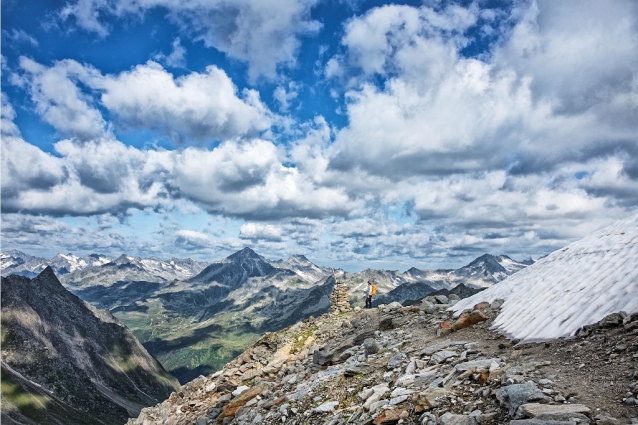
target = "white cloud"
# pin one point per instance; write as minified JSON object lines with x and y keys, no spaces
{"x":194,"y":106}
{"x":192,"y":239}
{"x":176,"y":58}
{"x":20,"y":36}
{"x":283,"y":96}
{"x":260,"y":231}
{"x":264,"y":34}
{"x":198,"y":105}
{"x":59,"y":100}
{"x":7,"y":126}
{"x":439,"y":112}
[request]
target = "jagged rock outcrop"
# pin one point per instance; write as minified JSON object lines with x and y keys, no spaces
{"x":64,"y":362}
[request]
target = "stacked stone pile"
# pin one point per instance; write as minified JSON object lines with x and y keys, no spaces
{"x":339,"y":301}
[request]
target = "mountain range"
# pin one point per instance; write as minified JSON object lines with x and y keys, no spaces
{"x":64,"y":361}
{"x":194,"y":317}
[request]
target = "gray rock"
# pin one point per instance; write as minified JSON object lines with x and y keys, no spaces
{"x":322,"y":358}
{"x":427,"y":307}
{"x":391,"y":322}
{"x":441,"y":299}
{"x":428,"y":351}
{"x":611,"y":321}
{"x":441,"y":356}
{"x":201,"y":421}
{"x":539,"y":422}
{"x":394,"y":306}
{"x":395,"y":361}
{"x":513,"y":396}
{"x":557,"y":412}
{"x":497,"y":303}
{"x":370,"y":346}
{"x":454,"y":297}
{"x":606,"y":420}
{"x":452,"y":419}
{"x":483,"y":364}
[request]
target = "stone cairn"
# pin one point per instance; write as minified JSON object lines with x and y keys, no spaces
{"x":339,"y":301}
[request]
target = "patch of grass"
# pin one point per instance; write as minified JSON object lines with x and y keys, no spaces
{"x":32,"y":406}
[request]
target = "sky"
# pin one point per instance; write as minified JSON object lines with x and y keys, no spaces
{"x":358,"y":133}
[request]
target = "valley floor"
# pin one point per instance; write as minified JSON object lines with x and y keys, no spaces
{"x":421,"y":374}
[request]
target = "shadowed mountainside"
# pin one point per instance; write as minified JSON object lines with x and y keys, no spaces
{"x":65,"y":362}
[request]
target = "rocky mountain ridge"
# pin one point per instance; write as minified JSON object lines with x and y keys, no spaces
{"x":417,"y":365}
{"x":194,"y":316}
{"x":64,"y":362}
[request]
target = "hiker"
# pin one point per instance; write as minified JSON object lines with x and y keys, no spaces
{"x":369,"y":293}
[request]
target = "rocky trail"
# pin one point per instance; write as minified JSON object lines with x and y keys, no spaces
{"x":417,"y":365}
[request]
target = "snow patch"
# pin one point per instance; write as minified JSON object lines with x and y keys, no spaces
{"x":572,"y":287}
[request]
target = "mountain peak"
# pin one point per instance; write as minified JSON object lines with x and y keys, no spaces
{"x":244,"y":253}
{"x":299,"y":258}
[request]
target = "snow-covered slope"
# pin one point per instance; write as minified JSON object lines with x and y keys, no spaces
{"x":129,"y":268}
{"x":572,"y":287}
{"x":303,"y":267}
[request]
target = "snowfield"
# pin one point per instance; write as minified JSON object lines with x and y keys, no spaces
{"x":572,"y":287}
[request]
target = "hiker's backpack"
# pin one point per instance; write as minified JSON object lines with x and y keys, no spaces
{"x":374,"y":290}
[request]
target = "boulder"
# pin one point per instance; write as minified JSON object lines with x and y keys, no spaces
{"x":395,"y":361}
{"x":238,"y":402}
{"x":388,"y":417}
{"x":322,"y":358}
{"x":441,"y":299}
{"x":445,"y":328}
{"x":391,"y":322}
{"x":441,"y":356}
{"x":611,"y":321}
{"x":497,"y":303}
{"x":370,"y":346}
{"x":427,"y":307}
{"x":430,"y":399}
{"x":328,"y":406}
{"x":393,"y":306}
{"x":469,"y":319}
{"x":513,"y":396}
{"x":452,"y":419}
{"x":481,"y":305}
{"x":559,"y":412}
{"x":358,"y":340}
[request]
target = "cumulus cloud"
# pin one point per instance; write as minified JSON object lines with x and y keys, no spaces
{"x":284,"y":95}
{"x":260,"y":231}
{"x":197,"y":105}
{"x":441,"y":112}
{"x":59,"y":100}
{"x":264,"y":34}
{"x":237,"y":178}
{"x":192,"y":239}
{"x":194,"y":106}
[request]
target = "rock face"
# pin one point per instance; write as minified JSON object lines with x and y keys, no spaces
{"x":65,"y":362}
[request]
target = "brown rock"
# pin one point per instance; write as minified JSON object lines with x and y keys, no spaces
{"x":388,"y":417}
{"x":483,"y":375}
{"x":428,"y":399}
{"x":481,"y":306}
{"x":235,"y":404}
{"x":445,"y":328}
{"x":465,"y":321}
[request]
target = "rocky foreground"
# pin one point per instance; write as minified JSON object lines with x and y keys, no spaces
{"x":417,"y":365}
